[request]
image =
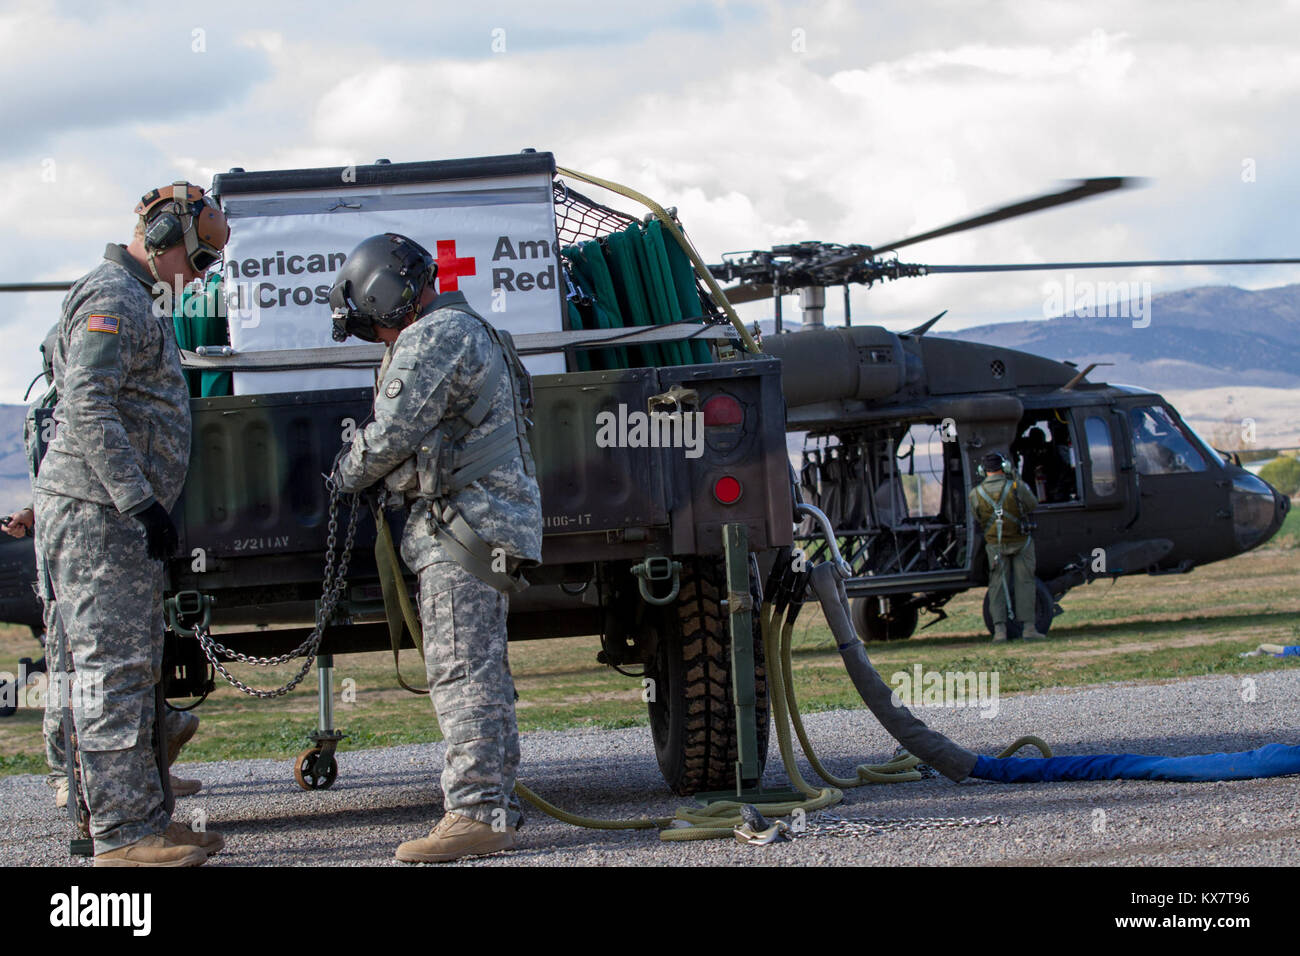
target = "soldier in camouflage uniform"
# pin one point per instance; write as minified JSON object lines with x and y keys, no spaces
{"x":1010,"y":549}
{"x":112,"y":471}
{"x":181,"y":725}
{"x":448,"y":435}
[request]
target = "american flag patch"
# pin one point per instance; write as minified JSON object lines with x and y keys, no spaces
{"x":103,"y":323}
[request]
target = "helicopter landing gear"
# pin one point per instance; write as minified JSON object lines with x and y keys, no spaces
{"x":1045,"y":609}
{"x":316,"y":768}
{"x":884,"y":619}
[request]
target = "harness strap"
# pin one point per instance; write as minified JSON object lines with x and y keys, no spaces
{"x":492,"y":450}
{"x":397,"y":600}
{"x":523,"y":403}
{"x":470,"y":551}
{"x":473,"y":416}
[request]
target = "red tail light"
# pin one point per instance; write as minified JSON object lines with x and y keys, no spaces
{"x":723,"y":410}
{"x":727,"y":490}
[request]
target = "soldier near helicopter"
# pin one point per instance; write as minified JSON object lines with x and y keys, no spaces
{"x":448,"y":438}
{"x":1001,"y":504}
{"x":114,"y":467}
{"x":181,"y":725}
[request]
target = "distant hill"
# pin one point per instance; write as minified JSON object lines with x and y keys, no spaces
{"x":1206,"y":337}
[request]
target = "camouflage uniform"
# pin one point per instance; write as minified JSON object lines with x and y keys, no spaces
{"x":178,"y":722}
{"x":122,"y":441}
{"x":1016,"y":548}
{"x":432,"y":373}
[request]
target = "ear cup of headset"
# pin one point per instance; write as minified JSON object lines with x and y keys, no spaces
{"x":164,"y":232}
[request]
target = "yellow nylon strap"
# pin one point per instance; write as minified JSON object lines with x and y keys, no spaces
{"x":397,"y":600}
{"x":700,"y":268}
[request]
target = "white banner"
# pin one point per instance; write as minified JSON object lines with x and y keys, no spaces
{"x":494,"y":239}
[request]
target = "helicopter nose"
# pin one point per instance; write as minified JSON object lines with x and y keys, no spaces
{"x":1258,"y":510}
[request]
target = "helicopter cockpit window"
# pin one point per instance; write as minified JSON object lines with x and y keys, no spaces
{"x":1159,"y":446}
{"x":1044,"y":457}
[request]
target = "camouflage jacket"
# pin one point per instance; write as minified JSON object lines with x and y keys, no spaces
{"x":432,"y":373}
{"x":1019,"y":502}
{"x":122,"y":420}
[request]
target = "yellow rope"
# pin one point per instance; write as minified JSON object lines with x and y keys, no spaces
{"x":700,"y":268}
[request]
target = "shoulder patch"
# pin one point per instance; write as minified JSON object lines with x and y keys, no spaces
{"x":99,"y":322}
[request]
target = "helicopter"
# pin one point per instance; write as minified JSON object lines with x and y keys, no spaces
{"x":897,"y":424}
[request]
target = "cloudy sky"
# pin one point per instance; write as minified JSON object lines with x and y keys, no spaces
{"x":761,"y":122}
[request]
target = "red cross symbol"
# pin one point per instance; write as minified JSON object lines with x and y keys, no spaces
{"x":449,"y":267}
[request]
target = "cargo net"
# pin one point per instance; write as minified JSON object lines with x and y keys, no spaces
{"x":579,"y":218}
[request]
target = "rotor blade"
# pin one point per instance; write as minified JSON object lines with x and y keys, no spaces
{"x":1082,"y":189}
{"x":748,"y":293}
{"x":35,"y":286}
{"x":1132,"y":264}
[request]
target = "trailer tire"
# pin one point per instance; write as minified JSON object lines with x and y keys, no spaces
{"x":692,"y":708}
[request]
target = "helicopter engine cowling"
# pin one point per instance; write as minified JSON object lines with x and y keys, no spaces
{"x":861,"y":362}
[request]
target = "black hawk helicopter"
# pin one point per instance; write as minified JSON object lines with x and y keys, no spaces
{"x":897,"y":424}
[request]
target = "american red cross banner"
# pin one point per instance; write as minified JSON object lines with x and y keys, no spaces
{"x":494,"y":239}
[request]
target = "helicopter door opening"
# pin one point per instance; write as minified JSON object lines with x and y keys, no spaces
{"x":896,"y":496}
{"x":1045,"y":457}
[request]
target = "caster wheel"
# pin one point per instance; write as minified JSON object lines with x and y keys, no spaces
{"x":313,"y":773}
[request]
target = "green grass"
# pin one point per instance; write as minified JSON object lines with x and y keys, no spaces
{"x":1288,"y":535}
{"x":1137,"y":629}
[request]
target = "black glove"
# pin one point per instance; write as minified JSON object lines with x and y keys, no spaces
{"x":334,"y":474}
{"x":159,"y":531}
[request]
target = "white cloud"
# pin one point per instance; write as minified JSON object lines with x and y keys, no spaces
{"x":897,"y":118}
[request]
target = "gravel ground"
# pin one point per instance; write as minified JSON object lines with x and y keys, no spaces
{"x":385,"y":796}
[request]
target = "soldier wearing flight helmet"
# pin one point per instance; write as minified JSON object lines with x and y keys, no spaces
{"x":449,"y":439}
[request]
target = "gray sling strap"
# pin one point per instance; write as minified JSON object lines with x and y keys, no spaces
{"x":473,"y":416}
{"x":492,"y":450}
{"x":470,"y":551}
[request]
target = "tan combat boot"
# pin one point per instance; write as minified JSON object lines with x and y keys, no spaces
{"x":454,"y":837}
{"x":999,"y":632}
{"x":209,"y":841}
{"x":1030,"y":633}
{"x":174,"y":744}
{"x":153,"y":850}
{"x":182,"y":786}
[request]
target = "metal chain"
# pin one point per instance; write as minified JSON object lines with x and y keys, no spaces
{"x":830,"y":824}
{"x":332,"y":585}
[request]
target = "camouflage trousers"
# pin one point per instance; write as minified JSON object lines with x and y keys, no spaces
{"x":1023,"y":565}
{"x":178,"y":722}
{"x":108,"y":592}
{"x":472,"y":691}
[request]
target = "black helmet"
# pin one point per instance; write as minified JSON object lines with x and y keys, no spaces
{"x":378,"y":284}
